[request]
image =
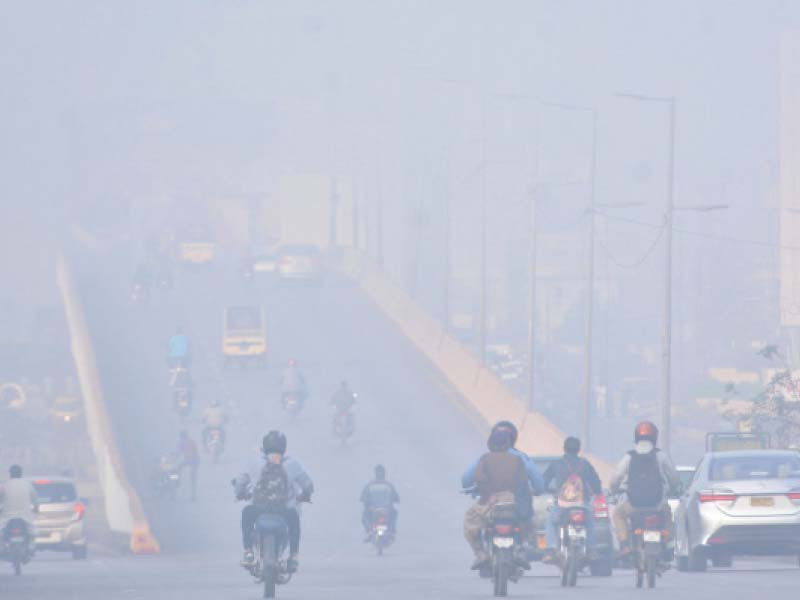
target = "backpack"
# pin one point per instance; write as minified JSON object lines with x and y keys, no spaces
{"x":645,"y":486}
{"x":571,"y":491}
{"x":272,"y":489}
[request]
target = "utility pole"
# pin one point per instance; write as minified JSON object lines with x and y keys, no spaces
{"x":355,"y":216}
{"x":587,"y":366}
{"x":484,"y":283}
{"x":532,"y":304}
{"x":379,"y":217}
{"x":447,"y":257}
{"x":334,"y":210}
{"x":666,"y":362}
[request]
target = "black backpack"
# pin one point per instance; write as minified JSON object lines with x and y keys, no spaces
{"x":272,"y":489}
{"x":645,"y":486}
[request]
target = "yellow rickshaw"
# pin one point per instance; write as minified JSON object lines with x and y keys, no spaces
{"x":244,"y":335}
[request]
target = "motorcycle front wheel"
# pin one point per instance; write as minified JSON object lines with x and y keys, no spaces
{"x":269,"y":565}
{"x":502,"y":570}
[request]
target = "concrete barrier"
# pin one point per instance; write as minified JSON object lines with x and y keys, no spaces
{"x":123,"y":506}
{"x":479,"y":386}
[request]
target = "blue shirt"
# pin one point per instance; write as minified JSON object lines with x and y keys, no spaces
{"x":178,"y":346}
{"x":534,"y":474}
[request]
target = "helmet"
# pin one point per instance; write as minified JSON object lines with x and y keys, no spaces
{"x":274,"y":443}
{"x":499,"y":440}
{"x":646,"y":430}
{"x":15,"y":472}
{"x":292,"y":362}
{"x":380,"y":472}
{"x":572,"y":445}
{"x":508,"y":426}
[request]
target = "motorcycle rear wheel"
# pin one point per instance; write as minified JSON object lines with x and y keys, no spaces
{"x":269,"y":553}
{"x":652,"y":567}
{"x":501,"y":573}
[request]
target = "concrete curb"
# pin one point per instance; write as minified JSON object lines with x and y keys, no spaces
{"x":479,"y":386}
{"x":124,"y":510}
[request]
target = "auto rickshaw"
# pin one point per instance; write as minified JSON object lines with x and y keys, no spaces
{"x":244,"y":337}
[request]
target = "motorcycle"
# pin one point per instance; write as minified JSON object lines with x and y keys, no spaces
{"x":167,"y":478}
{"x":648,"y":543}
{"x":344,"y":424}
{"x":572,"y":539}
{"x":215,"y":443}
{"x":380,"y":533}
{"x":182,"y":401}
{"x":503,"y":537}
{"x":270,"y":546}
{"x":16,"y":544}
{"x":293,"y":402}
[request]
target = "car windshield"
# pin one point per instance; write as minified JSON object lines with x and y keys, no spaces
{"x":245,"y":317}
{"x":53,"y":492}
{"x":731,"y":468}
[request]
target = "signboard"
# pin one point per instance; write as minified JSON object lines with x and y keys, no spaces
{"x":733,"y":441}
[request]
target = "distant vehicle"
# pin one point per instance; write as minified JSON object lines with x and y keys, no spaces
{"x":59,"y":524}
{"x":196,"y":246}
{"x":300,"y":262}
{"x":686,"y":473}
{"x":259,"y":266}
{"x":603,"y":551}
{"x":745,"y":502}
{"x":244,"y":335}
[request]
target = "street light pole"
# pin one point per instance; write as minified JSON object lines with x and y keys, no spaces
{"x":666,"y":362}
{"x":532,"y":304}
{"x":587,"y":365}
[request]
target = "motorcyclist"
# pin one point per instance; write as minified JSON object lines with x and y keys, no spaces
{"x":292,"y":381}
{"x":647,"y":476}
{"x":214,"y":417}
{"x":379,"y":494}
{"x":498,"y":476}
{"x":557,"y":475}
{"x":18,"y":500}
{"x":178,"y":349}
{"x":301,"y":487}
{"x":343,"y":398}
{"x":189,"y":459}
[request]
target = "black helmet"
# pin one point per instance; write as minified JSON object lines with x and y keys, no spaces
{"x":499,"y":440}
{"x":510,"y":427}
{"x":380,"y":472}
{"x":274,"y":443}
{"x":15,"y":472}
{"x":646,"y":430}
{"x":572,"y":445}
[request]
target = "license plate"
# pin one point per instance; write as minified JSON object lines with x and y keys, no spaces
{"x":651,"y":536}
{"x":503,"y":542}
{"x":574,"y":532}
{"x":381,"y":529}
{"x":762,"y":501}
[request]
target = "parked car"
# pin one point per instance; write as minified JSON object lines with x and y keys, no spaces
{"x":300,"y":262}
{"x":59,"y":524}
{"x":739,"y":503}
{"x":603,"y":549}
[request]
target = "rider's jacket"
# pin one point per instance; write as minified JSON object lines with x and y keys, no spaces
{"x":343,"y":399}
{"x":669,"y":475}
{"x":214,"y":417}
{"x":300,"y":482}
{"x":17,"y":497}
{"x":379,"y":494}
{"x":534,"y":474}
{"x":292,"y":380}
{"x":178,"y":346}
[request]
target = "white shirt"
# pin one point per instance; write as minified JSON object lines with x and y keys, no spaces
{"x":17,"y":497}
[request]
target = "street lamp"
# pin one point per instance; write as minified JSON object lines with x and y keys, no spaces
{"x":666,"y":351}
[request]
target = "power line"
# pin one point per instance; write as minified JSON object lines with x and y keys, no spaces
{"x":638,"y":263}
{"x":723,"y":238}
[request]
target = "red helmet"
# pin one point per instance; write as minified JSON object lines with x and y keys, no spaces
{"x":646,"y":430}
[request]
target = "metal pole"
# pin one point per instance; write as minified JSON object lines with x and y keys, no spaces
{"x":483,"y":316}
{"x":532,"y":308}
{"x":355,"y":216}
{"x":447,"y":258}
{"x":379,"y":217}
{"x":587,"y":367}
{"x":334,"y":205}
{"x":666,"y":361}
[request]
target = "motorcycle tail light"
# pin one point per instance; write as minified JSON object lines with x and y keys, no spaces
{"x":600,"y":507}
{"x":16,"y":531}
{"x":577,"y":517}
{"x":503,"y":529}
{"x":652,"y":521}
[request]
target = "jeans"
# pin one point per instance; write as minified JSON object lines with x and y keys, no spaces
{"x":250,"y":514}
{"x":553,"y":524}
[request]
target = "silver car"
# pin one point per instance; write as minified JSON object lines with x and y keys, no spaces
{"x":59,"y":524}
{"x":739,"y":503}
{"x":299,"y":262}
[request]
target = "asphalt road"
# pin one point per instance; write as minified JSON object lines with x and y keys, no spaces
{"x":406,"y":419}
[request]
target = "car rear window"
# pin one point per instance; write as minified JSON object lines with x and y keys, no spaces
{"x":53,"y":492}
{"x":732,"y":468}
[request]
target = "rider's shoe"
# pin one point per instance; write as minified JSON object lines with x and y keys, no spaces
{"x":293,"y":563}
{"x":249,"y":559}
